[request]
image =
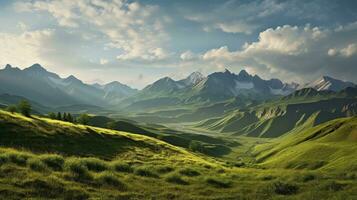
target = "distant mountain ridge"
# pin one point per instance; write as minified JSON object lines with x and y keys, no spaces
{"x":218,"y":86}
{"x":49,"y":89}
{"x":303,"y":108}
{"x":328,"y":83}
{"x":167,"y":84}
{"x":226,"y":85}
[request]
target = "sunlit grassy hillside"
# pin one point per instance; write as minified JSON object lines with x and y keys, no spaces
{"x":49,"y":159}
{"x":329,"y":146}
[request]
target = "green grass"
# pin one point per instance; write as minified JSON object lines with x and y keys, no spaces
{"x":329,"y":146}
{"x":176,"y":179}
{"x":122,"y":167}
{"x":189,"y":172}
{"x":277,"y":117}
{"x":53,"y":161}
{"x":146,"y":172}
{"x":43,"y":159}
{"x":36,"y":164}
{"x":110,"y":179}
{"x":218,"y":183}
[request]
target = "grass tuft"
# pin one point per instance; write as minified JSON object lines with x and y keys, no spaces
{"x":332,"y":186}
{"x":218,"y":183}
{"x":189,"y":172}
{"x":146,"y":172}
{"x":164,"y":169}
{"x":55,"y":162}
{"x":308,"y":177}
{"x":17,"y":158}
{"x":77,"y":169}
{"x":36,"y":165}
{"x":122,"y":167}
{"x":284,"y":188}
{"x":175,"y":178}
{"x":95,"y":164}
{"x":109,"y":179}
{"x":45,"y":187}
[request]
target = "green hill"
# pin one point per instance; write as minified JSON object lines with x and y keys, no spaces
{"x":328,"y":146}
{"x":209,"y":145}
{"x":49,"y":159}
{"x":305,"y":108}
{"x":46,"y":135}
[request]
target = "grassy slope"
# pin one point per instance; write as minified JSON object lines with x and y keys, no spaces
{"x":275,"y":118}
{"x":191,"y":113}
{"x":43,"y":135}
{"x":328,"y":146}
{"x":88,"y":162}
{"x":210,"y":145}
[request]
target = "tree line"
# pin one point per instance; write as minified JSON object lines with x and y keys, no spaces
{"x":24,"y":107}
{"x":68,"y":117}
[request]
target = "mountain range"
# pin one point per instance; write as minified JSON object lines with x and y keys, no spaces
{"x":303,"y":108}
{"x":37,"y":84}
{"x":49,"y":89}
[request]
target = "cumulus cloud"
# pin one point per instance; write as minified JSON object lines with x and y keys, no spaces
{"x":188,"y":55}
{"x":290,"y":40}
{"x":348,"y":51}
{"x":58,"y":9}
{"x":103,"y":61}
{"x":221,"y":53}
{"x":135,"y":29}
{"x":291,"y":52}
{"x":24,"y":49}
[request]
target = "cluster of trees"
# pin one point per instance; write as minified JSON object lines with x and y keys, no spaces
{"x":24,"y":107}
{"x":68,"y":117}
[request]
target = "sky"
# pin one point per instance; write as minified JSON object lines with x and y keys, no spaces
{"x":137,"y":42}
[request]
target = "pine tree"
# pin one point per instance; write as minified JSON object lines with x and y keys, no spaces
{"x":83,"y":119}
{"x":69,"y":117}
{"x":11,"y":108}
{"x":52,"y":115}
{"x":25,"y":108}
{"x":64,"y":118}
{"x":59,"y":116}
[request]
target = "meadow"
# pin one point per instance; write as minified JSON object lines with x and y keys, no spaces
{"x":44,"y":159}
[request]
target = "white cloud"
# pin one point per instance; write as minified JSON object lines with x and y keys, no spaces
{"x":291,"y":52}
{"x":103,"y":61}
{"x":236,"y":27}
{"x":24,"y":49}
{"x":350,"y":50}
{"x":221,"y":53}
{"x":188,"y":55}
{"x":332,"y":52}
{"x":287,"y":39}
{"x":135,"y":29}
{"x":61,"y":10}
{"x":22,"y":26}
{"x":347,"y":51}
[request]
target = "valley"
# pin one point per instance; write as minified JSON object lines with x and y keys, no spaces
{"x":133,"y":166}
{"x":178,"y":100}
{"x":177,"y":139}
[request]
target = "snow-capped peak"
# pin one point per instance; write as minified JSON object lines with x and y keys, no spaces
{"x":329,"y":83}
{"x":194,"y":78}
